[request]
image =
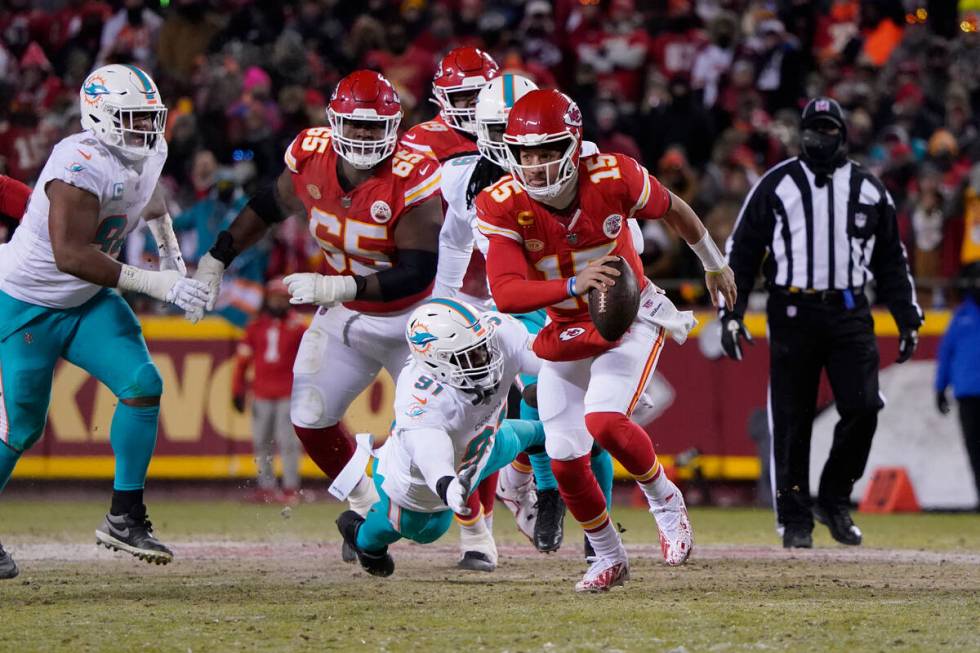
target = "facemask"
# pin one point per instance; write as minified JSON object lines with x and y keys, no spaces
{"x":822,"y":152}
{"x":135,"y":16}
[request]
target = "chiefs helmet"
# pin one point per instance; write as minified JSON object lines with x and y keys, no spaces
{"x":460,"y":71}
{"x":493,"y":105}
{"x":364,"y":97}
{"x":539,"y":118}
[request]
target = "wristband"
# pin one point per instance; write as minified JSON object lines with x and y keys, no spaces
{"x":224,"y":248}
{"x":570,"y":287}
{"x":711,"y":257}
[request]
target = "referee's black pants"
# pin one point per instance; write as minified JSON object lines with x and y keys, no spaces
{"x":809,"y":333}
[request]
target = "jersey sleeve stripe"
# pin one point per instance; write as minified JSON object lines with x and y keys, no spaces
{"x":424,"y":189}
{"x":425,"y":149}
{"x":488,"y":230}
{"x":644,"y":194}
{"x":290,"y":159}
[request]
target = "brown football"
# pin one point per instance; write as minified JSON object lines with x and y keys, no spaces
{"x":614,"y":310}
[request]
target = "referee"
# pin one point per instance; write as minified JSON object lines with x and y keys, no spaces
{"x":822,"y":226}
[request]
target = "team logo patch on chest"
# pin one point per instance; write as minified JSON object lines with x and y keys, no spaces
{"x":533,"y":245}
{"x":314,"y":191}
{"x":380,"y":212}
{"x":612,"y":225}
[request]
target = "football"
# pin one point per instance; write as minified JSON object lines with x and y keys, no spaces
{"x":613,"y":310}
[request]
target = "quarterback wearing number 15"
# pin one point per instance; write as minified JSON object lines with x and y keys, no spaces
{"x":57,"y":289}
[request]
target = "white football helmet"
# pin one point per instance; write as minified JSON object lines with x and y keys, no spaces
{"x":122,"y":106}
{"x":492,"y":108}
{"x":456,"y":344}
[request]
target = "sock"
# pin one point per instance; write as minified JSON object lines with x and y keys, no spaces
{"x":518,"y":472}
{"x":655,"y":484}
{"x":363,"y":496}
{"x":330,"y":447}
{"x":488,"y":520}
{"x":123,"y":501}
{"x":487,"y":489}
{"x":580,"y":492}
{"x":602,"y":466}
{"x":476,"y":511}
{"x":627,"y":442}
{"x":8,"y":460}
{"x":605,"y":541}
{"x":544,"y":478}
{"x":133,"y":435}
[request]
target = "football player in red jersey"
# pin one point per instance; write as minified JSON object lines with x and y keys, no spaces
{"x":552,"y":225}
{"x":376,"y":213}
{"x":462,"y":73}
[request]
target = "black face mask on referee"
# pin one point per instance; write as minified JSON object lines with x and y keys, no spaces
{"x":823,"y":141}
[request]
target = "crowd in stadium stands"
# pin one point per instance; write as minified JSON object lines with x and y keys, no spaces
{"x":706,"y":93}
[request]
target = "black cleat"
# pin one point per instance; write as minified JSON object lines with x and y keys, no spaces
{"x":797,"y":537}
{"x":590,"y":555}
{"x":133,"y":533}
{"x":347,"y":553}
{"x":476,"y":561}
{"x":549,"y":528}
{"x":838,"y":520}
{"x":8,"y":568}
{"x":376,"y":564}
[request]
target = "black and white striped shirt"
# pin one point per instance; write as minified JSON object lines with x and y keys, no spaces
{"x":837,"y":236}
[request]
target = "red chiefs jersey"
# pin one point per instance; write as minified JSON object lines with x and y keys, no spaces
{"x":13,"y":197}
{"x":437,"y":139}
{"x":270,"y":345}
{"x":356,"y":230}
{"x":534,"y":249}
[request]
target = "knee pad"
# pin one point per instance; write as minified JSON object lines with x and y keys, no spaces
{"x":306,"y":408}
{"x":147,"y":382}
{"x":567,"y":444}
{"x":310,"y":353}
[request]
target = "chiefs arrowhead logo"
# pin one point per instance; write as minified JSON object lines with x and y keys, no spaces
{"x":573,"y":116}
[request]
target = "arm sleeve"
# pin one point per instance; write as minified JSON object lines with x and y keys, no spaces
{"x":455,"y":250}
{"x":511,"y":290}
{"x":748,"y":243}
{"x":243,"y":360}
{"x":431,"y":450}
{"x":944,"y":357}
{"x":13,"y":197}
{"x":890,"y":267}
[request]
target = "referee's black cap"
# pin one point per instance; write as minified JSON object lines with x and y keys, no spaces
{"x":823,"y":108}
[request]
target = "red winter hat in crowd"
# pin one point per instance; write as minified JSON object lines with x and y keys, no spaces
{"x":34,"y":56}
{"x":909,"y":91}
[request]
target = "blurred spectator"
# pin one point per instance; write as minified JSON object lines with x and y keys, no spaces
{"x":927,"y":224}
{"x":409,"y":68}
{"x":268,"y":350}
{"x":537,"y":35}
{"x":682,"y":121}
{"x":615,"y":52}
{"x":713,"y":62}
{"x":610,"y":137}
{"x":184,"y":37}
{"x":212,"y":213}
{"x":967,"y":204}
{"x":958,"y":364}
{"x":779,"y":66}
{"x":130,"y":36}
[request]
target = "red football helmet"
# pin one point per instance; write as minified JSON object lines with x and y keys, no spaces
{"x":364,"y":96}
{"x":462,"y":70}
{"x":539,"y":118}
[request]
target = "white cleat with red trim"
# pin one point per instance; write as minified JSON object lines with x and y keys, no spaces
{"x":676,"y":534}
{"x":521,"y":500}
{"x":604,"y":574}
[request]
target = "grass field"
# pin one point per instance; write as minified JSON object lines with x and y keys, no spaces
{"x":250,"y":578}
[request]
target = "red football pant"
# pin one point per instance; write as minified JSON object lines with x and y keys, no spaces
{"x":626,"y":441}
{"x":580,"y":491}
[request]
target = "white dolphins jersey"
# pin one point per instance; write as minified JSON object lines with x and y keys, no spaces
{"x":27,"y":267}
{"x":459,"y":232}
{"x":423,"y":403}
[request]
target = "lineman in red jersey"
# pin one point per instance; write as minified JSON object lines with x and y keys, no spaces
{"x":375,"y":212}
{"x":462,"y":73}
{"x":552,"y":224}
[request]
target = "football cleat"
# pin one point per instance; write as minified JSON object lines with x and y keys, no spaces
{"x":376,"y":563}
{"x":797,"y":537}
{"x":133,"y":533}
{"x":603,"y":575}
{"x":479,"y":551}
{"x":838,"y":520}
{"x":8,"y":568}
{"x":549,"y":527}
{"x":676,"y":534}
{"x":476,"y":561}
{"x":347,"y":553}
{"x":520,"y":500}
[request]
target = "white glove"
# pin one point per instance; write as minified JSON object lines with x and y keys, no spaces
{"x":312,"y":288}
{"x":209,"y":272}
{"x":459,"y":491}
{"x":165,"y":285}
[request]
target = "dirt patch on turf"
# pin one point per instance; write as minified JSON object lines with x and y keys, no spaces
{"x":224,"y":550}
